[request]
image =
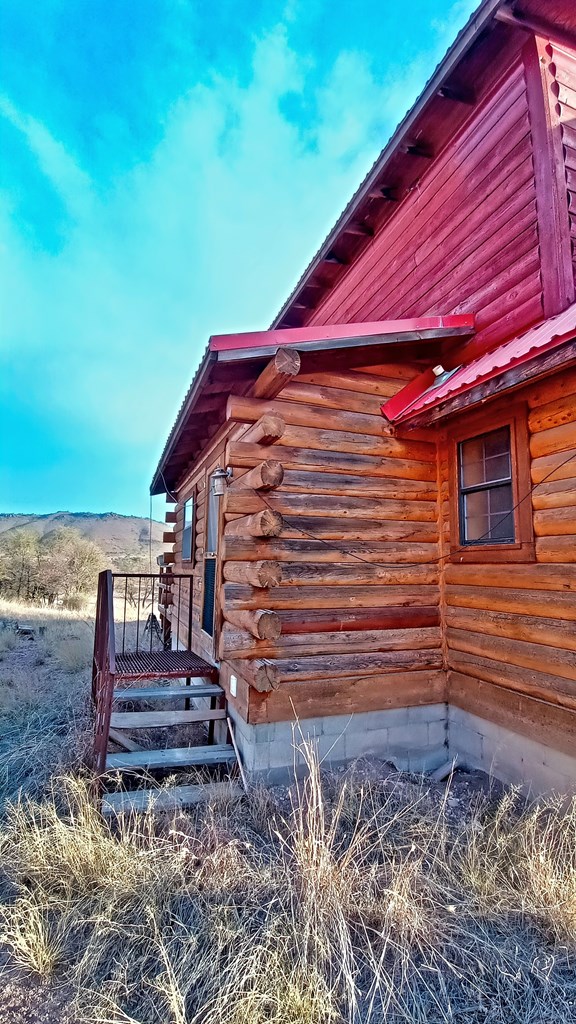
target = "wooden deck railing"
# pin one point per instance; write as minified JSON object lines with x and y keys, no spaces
{"x":136,"y":616}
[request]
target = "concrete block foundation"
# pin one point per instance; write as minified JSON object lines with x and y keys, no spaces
{"x":413,"y":739}
{"x":416,"y":739}
{"x":537,"y":769}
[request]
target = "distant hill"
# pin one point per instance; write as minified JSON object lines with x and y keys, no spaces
{"x":116,"y":535}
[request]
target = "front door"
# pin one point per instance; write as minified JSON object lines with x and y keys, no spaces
{"x":209,"y":618}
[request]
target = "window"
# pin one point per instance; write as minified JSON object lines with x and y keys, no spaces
{"x":188,"y":532}
{"x":486,"y":492}
{"x":490,"y":497}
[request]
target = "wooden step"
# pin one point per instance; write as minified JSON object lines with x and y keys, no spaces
{"x":167,"y":799}
{"x":168,"y":692}
{"x":172,"y":757}
{"x":152,"y":719}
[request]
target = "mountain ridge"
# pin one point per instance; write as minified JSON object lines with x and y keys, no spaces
{"x":116,"y":534}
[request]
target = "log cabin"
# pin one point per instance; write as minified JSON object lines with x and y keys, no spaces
{"x":375,"y":499}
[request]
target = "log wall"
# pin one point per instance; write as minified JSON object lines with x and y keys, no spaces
{"x":466,"y":238}
{"x":353,"y":563}
{"x":510,"y":629}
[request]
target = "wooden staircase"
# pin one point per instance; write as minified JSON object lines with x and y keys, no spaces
{"x":121,"y":683}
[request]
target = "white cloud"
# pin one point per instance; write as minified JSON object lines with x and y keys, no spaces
{"x":206,"y":236}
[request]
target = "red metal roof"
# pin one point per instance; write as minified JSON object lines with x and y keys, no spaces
{"x":252,"y":349}
{"x":411,"y":329}
{"x":423,"y":393}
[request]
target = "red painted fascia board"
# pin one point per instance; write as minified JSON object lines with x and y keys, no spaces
{"x":394,"y":408}
{"x":409,"y":402}
{"x":426,"y":326}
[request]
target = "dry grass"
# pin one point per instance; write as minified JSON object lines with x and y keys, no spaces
{"x":44,"y":686}
{"x":359,"y":901}
{"x":349,"y":900}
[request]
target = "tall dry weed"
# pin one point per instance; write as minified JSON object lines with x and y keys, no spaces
{"x":359,"y":901}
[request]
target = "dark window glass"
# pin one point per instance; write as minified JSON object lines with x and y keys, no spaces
{"x":485,"y":489}
{"x":209,"y":596}
{"x":188,"y":534}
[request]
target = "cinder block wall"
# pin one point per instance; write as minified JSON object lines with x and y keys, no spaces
{"x":414,"y":739}
{"x":515,"y":759}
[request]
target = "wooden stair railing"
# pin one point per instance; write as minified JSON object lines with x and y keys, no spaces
{"x":104,"y":668}
{"x":117,"y":678}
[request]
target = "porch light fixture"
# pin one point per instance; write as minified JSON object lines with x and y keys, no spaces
{"x":220,"y":478}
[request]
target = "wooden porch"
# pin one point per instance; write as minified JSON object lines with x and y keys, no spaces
{"x":134,"y":633}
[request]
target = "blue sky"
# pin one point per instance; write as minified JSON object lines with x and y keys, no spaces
{"x":167,"y":170}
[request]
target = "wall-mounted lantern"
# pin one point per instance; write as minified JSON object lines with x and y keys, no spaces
{"x":220,"y":478}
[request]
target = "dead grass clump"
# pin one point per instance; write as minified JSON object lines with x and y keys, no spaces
{"x":44,"y":713}
{"x":74,"y":653}
{"x":8,"y":640}
{"x":355,"y":901}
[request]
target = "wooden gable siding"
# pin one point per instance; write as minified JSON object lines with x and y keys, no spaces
{"x":466,"y":239}
{"x":511,"y":629}
{"x":358,"y":599}
{"x":564,"y":68}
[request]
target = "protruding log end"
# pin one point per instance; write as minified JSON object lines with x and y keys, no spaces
{"x":264,"y":477}
{"x":267,"y":430}
{"x":258,"y":574}
{"x":259,"y":673}
{"x":265,"y":676}
{"x":262,"y":524}
{"x":283,"y":366}
{"x":261,"y":623}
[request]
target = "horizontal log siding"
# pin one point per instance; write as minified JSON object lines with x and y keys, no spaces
{"x":564,"y":65}
{"x":358,"y":598}
{"x":510,"y":629}
{"x":465,"y":239}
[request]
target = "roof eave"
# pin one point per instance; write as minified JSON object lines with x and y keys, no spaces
{"x":158,"y":484}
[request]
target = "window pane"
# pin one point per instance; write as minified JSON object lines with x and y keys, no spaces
{"x":476,"y":515}
{"x":485,"y":459}
{"x":501,"y":515}
{"x":497,"y":442}
{"x":187,"y":547}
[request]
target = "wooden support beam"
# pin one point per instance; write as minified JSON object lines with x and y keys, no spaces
{"x":536,"y":26}
{"x":333,"y":260}
{"x":170,"y":517}
{"x":457,"y":93}
{"x":385,"y":192}
{"x":123,"y":741}
{"x":261,"y":623}
{"x":267,"y":430}
{"x":264,"y":477}
{"x":168,"y":537}
{"x":262,"y":524}
{"x":362,"y":230}
{"x":418,"y":149}
{"x":265,"y":573}
{"x":283,"y":366}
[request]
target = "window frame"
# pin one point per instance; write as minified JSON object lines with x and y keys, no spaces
{"x":185,"y":558}
{"x":521,"y":549}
